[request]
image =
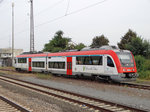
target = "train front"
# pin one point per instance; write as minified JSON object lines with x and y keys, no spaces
{"x":127,"y":67}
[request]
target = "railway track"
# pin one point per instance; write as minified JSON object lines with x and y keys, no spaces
{"x":73,"y":98}
{"x":7,"y":105}
{"x":132,"y":85}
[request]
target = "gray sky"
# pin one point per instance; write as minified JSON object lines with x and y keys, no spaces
{"x":112,"y":18}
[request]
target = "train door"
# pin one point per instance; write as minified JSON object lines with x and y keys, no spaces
{"x":69,"y":65}
{"x":30,"y":67}
{"x":109,"y":65}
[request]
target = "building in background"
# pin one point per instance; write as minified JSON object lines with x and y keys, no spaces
{"x":6,"y":56}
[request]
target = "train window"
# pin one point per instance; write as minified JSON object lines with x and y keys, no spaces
{"x":33,"y":64}
{"x":58,"y":65}
{"x":41,"y":64}
{"x":38,"y":64}
{"x":96,"y":60}
{"x":87,"y":60}
{"x":79,"y":60}
{"x":126,"y":59}
{"x":50,"y":64}
{"x":62,"y":65}
{"x":110,"y":62}
{"x":22,"y":60}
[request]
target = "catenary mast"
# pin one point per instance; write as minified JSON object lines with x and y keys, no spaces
{"x":12,"y":34}
{"x":31,"y":28}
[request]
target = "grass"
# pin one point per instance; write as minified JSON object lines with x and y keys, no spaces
{"x":34,"y":74}
{"x":144,"y":75}
{"x":142,"y":81}
{"x":7,"y":68}
{"x":43,"y":76}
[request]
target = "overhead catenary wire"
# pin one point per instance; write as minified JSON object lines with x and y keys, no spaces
{"x":60,"y":17}
{"x":76,"y":11}
{"x":51,"y":6}
{"x":67,"y":7}
{"x":37,"y":14}
{"x":87,"y":7}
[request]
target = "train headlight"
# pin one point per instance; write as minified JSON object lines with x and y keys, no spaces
{"x":124,"y":70}
{"x":133,"y":69}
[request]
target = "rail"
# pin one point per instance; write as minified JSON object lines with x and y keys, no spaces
{"x":78,"y":99}
{"x":7,"y":105}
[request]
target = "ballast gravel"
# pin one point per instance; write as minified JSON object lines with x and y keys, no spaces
{"x":134,"y":97}
{"x":34,"y":101}
{"x":138,"y":98}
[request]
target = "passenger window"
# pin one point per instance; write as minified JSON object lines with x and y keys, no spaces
{"x":87,"y":60}
{"x":57,"y":65}
{"x":37,"y":64}
{"x":51,"y":64}
{"x":79,"y":60}
{"x":110,"y":62}
{"x":96,"y":60}
{"x":61,"y":65}
{"x":22,"y":60}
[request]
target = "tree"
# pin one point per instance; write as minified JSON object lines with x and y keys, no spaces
{"x":80,"y":46}
{"x":58,"y":43}
{"x":72,"y":46}
{"x":126,"y":39}
{"x":139,"y":46}
{"x":99,"y":41}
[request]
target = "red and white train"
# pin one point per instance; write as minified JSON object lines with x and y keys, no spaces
{"x":105,"y":63}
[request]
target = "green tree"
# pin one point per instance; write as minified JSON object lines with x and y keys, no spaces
{"x":126,"y":39}
{"x":99,"y":41}
{"x":138,"y":46}
{"x":72,"y":46}
{"x":80,"y":46}
{"x":58,"y":43}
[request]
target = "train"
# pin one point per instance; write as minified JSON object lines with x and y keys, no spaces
{"x":106,"y":62}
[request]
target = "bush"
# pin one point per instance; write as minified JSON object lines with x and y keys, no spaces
{"x":146,"y":65}
{"x":140,"y":60}
{"x":143,"y":67}
{"x":144,"y":75}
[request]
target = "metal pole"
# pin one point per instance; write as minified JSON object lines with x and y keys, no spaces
{"x":12,"y":34}
{"x":31,"y":28}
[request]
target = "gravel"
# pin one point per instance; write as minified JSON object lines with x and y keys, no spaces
{"x":36,"y":101}
{"x":134,"y":97}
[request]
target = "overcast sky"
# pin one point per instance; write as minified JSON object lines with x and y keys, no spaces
{"x":112,"y":18}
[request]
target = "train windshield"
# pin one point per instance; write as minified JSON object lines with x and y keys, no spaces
{"x":126,"y":59}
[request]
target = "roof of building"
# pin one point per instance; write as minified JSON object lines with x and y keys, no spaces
{"x":9,"y":50}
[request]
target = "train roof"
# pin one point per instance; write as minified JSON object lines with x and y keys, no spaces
{"x":86,"y":51}
{"x":73,"y":53}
